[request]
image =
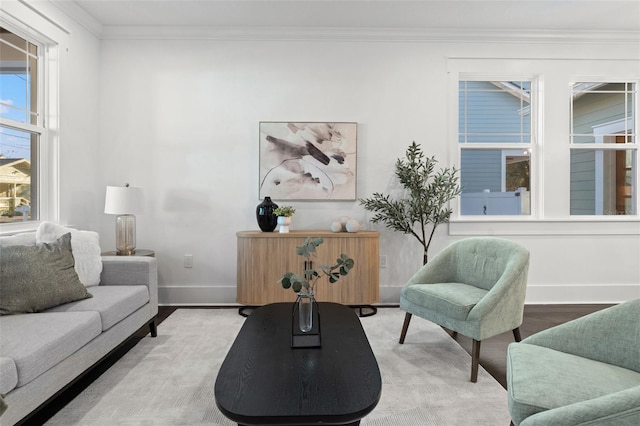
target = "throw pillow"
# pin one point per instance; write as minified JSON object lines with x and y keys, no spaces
{"x":35,"y":278}
{"x":85,"y":246}
{"x":24,"y":239}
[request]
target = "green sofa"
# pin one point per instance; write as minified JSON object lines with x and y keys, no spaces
{"x":584,"y":372}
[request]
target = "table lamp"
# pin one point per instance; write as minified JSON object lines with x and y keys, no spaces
{"x":125,"y":201}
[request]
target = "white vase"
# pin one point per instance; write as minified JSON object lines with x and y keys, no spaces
{"x":284,"y":223}
{"x":336,"y":226}
{"x":353,"y":225}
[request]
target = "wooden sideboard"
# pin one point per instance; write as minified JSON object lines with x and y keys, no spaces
{"x":263,"y":257}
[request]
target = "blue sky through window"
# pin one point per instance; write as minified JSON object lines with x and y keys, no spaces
{"x":14,"y":98}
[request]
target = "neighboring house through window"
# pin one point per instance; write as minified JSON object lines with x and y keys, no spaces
{"x":496,"y":139}
{"x":604,"y":150}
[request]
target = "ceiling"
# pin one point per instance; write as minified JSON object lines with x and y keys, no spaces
{"x":508,"y":15}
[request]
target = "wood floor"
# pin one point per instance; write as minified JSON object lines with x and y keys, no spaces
{"x":492,"y":353}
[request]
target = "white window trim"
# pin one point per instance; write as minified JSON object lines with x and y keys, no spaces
{"x":599,"y":133}
{"x":27,"y":22}
{"x":533,"y":146}
{"x":552,"y":73}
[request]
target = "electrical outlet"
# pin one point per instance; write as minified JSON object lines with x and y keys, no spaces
{"x":188,"y":261}
{"x":383,"y":261}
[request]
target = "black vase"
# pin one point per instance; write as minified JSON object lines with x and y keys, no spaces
{"x":267,"y":221}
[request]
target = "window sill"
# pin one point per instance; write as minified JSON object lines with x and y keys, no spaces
{"x":510,"y":225}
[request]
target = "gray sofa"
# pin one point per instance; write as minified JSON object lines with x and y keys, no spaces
{"x":42,"y":353}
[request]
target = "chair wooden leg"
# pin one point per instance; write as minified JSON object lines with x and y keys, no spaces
{"x":475,"y":358}
{"x":405,"y":326}
{"x":516,"y":334}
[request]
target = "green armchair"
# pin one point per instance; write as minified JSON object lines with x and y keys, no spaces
{"x":583,"y":372}
{"x":475,"y":287}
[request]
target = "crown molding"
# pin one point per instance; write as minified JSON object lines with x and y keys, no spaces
{"x":365,"y":35}
{"x":80,"y":16}
{"x":340,"y":34}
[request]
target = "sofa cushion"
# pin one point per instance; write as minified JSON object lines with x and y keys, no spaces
{"x":453,"y":300}
{"x":85,"y":246}
{"x":34,"y":278}
{"x":541,"y":379}
{"x":8,"y":375}
{"x":113,"y":302}
{"x":37,"y":342}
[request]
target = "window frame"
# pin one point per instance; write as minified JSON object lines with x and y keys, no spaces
{"x":39,"y":129}
{"x":552,"y":198}
{"x":607,"y":129}
{"x":531,"y":147}
{"x":45,"y":174}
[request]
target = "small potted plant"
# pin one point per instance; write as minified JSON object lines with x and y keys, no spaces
{"x":304,"y":284}
{"x":284,"y":214}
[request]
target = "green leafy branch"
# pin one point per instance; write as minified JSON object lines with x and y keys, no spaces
{"x":310,"y":276}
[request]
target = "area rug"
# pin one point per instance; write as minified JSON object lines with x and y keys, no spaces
{"x":169,"y":380}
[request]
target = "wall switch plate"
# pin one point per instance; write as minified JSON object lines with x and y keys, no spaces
{"x":188,"y":261}
{"x":383,"y":261}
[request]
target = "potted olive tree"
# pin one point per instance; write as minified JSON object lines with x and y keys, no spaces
{"x":424,"y":204}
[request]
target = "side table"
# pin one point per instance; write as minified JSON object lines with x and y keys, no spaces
{"x":139,"y":252}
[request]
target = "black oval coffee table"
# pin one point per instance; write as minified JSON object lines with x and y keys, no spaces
{"x":263,"y":381}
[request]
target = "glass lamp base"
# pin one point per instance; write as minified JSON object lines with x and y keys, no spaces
{"x":125,"y":252}
{"x":125,"y":235}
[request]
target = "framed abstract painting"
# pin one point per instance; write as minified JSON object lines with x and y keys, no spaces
{"x":308,"y":161}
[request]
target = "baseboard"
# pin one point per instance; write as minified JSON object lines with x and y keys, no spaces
{"x":196,"y":295}
{"x":390,"y":295}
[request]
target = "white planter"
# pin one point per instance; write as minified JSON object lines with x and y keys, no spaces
{"x":284,"y":223}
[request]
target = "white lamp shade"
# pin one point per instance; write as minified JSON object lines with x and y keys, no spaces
{"x":124,"y":200}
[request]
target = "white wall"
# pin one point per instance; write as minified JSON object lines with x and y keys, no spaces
{"x":180,"y":118}
{"x":80,"y":183}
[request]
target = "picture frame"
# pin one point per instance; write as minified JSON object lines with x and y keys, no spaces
{"x":308,"y":160}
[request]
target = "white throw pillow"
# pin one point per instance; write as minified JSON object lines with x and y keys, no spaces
{"x":85,"y":246}
{"x":24,"y":239}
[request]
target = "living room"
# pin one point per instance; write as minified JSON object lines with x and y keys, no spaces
{"x":169,"y":98}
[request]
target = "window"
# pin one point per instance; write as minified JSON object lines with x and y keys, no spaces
{"x":604,"y":153}
{"x":495,"y":138}
{"x":21,"y":126}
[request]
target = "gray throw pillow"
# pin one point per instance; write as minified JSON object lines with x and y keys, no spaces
{"x":35,"y":278}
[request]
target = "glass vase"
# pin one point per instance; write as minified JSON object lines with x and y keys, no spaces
{"x":305,"y":311}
